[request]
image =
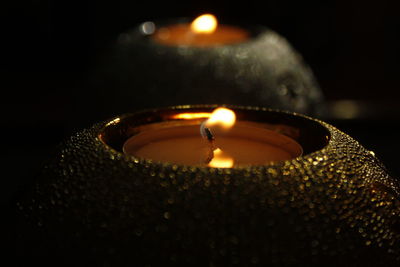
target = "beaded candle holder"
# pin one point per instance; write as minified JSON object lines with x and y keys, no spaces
{"x":92,"y":204}
{"x":263,"y":69}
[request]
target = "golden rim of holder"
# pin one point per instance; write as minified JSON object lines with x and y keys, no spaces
{"x":312,"y":134}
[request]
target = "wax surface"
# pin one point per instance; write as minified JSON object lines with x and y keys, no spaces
{"x":181,"y":34}
{"x":183,"y":150}
{"x":184,"y":145}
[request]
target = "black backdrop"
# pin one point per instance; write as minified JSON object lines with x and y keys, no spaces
{"x":49,"y":48}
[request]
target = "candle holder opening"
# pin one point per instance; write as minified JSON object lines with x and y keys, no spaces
{"x":297,"y":135}
{"x":177,"y":32}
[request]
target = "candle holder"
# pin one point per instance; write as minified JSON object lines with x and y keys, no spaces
{"x":334,"y":205}
{"x":262,"y":71}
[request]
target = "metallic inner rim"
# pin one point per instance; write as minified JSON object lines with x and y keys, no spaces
{"x":310,"y":133}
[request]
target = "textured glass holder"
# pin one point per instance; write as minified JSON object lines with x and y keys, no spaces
{"x":264,"y":70}
{"x":335,"y":205}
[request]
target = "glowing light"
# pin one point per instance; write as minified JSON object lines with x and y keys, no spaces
{"x":346,"y":109}
{"x":206,"y":23}
{"x":222,"y":117}
{"x":148,"y":27}
{"x":191,"y":116}
{"x":114,"y":121}
{"x":221,"y":160}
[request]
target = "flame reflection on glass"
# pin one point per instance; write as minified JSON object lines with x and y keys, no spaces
{"x":191,"y":116}
{"x":221,"y":160}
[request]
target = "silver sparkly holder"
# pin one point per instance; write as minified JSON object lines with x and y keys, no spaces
{"x":140,"y":73}
{"x":334,"y":206}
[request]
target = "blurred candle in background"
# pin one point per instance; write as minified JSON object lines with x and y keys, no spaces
{"x":203,"y":31}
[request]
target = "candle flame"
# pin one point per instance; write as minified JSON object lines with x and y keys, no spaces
{"x":206,"y":23}
{"x":221,"y":160}
{"x":222,"y":117}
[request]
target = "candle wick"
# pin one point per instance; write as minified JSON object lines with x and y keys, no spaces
{"x":207,"y":134}
{"x":210,"y":156}
{"x":211,"y":146}
{"x":211,"y":149}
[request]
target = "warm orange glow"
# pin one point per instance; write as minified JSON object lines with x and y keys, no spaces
{"x":221,"y":160}
{"x":191,"y":116}
{"x":222,"y":117}
{"x":206,"y":23}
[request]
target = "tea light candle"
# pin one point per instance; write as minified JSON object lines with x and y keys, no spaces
{"x":203,"y":31}
{"x":243,"y":143}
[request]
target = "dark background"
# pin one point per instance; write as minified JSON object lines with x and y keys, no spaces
{"x":50,"y":47}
